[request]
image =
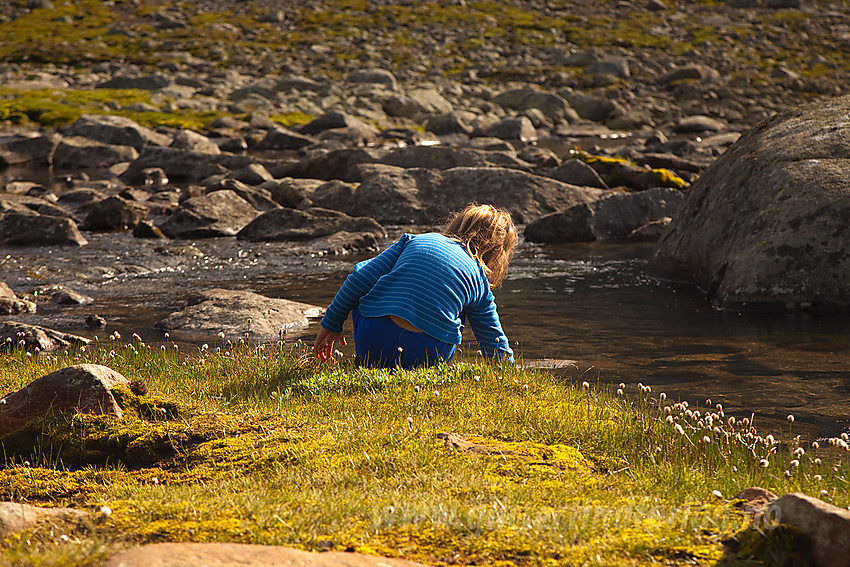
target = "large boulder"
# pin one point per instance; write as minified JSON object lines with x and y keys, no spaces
{"x":32,"y":229}
{"x":613,"y":217}
{"x":238,"y":314}
{"x":440,"y":157}
{"x":336,"y":164}
{"x":16,"y":517}
{"x":826,"y":526}
{"x":220,"y":213}
{"x":766,"y":224}
{"x":181,"y":164}
{"x":393,"y":195}
{"x":292,"y":224}
{"x":116,"y":130}
{"x":82,"y":388}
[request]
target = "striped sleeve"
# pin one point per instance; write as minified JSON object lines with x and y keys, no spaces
{"x":358,"y":283}
{"x":484,"y":320}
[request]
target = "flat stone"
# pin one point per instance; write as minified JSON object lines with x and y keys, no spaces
{"x":243,"y":555}
{"x":16,"y":517}
{"x":827,"y":526}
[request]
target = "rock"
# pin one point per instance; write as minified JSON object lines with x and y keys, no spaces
{"x":116,"y":131}
{"x":446,"y":124}
{"x":253,"y":174}
{"x":613,"y":217}
{"x":33,"y":229}
{"x":145,"y":82}
{"x":194,"y":142}
{"x":618,"y":172}
{"x":343,"y":242}
{"x":180,"y":164}
{"x":241,"y":555}
{"x":576,"y":172}
{"x":238,"y":314}
{"x":765,"y":225}
{"x":146,"y":229}
{"x":335,"y":121}
{"x":292,"y":224}
{"x":590,"y":106}
{"x":651,"y":231}
{"x":699,"y":73}
{"x":95,"y":322}
{"x":75,"y":152}
{"x":698,"y":123}
{"x":519,"y":128}
{"x":64,"y":296}
{"x":291,"y":192}
{"x":220,"y":213}
{"x":16,"y":517}
{"x":337,"y":164}
{"x":34,"y":336}
{"x":280,"y":138}
{"x":114,"y":213}
{"x":19,"y":187}
{"x":553,"y":106}
{"x":754,"y":501}
{"x":417,"y":103}
{"x":420,"y":196}
{"x":27,"y":147}
{"x":825,"y":525}
{"x":82,"y":388}
{"x":374,"y":76}
{"x":153,"y":178}
{"x":11,"y":304}
{"x":259,"y":198}
{"x":613,"y":66}
{"x":440,"y":157}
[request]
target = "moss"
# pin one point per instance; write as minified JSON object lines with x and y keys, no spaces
{"x":294,"y":118}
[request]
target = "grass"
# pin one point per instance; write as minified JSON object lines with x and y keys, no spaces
{"x":264,"y":445}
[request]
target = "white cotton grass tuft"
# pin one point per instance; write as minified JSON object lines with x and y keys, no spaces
{"x":717,"y":494}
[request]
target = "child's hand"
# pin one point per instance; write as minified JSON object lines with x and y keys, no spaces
{"x":323,"y":347}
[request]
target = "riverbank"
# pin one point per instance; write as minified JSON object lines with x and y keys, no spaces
{"x":459,"y":464}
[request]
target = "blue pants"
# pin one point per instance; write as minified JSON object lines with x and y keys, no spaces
{"x":379,"y":342}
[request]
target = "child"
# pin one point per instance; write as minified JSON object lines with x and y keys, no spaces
{"x":409,"y":303}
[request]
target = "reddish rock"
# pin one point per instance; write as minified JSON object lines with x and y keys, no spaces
{"x":827,"y":526}
{"x":85,"y":388}
{"x":16,"y":517}
{"x":243,"y":555}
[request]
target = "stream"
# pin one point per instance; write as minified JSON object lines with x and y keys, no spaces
{"x":587,"y":303}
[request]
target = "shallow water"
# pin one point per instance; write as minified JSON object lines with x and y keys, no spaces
{"x":590,"y":303}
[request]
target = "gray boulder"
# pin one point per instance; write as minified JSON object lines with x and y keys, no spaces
{"x":613,"y":217}
{"x":553,"y":106}
{"x":576,"y":172}
{"x":825,"y":525}
{"x":766,"y":224}
{"x":421,"y":195}
{"x":76,"y":152}
{"x":335,"y":121}
{"x":374,"y":77}
{"x":291,"y":192}
{"x":280,"y":138}
{"x":447,"y":124}
{"x":293,"y":224}
{"x":440,"y":157}
{"x":32,"y":229}
{"x":195,"y":142}
{"x":337,"y":164}
{"x":220,"y":213}
{"x":238,"y":314}
{"x":417,"y":103}
{"x":180,"y":164}
{"x":114,"y":213}
{"x":116,"y":130}
{"x":27,"y":147}
{"x":515,"y":128}
{"x":698,"y":123}
{"x":259,"y":198}
{"x":144,"y":82}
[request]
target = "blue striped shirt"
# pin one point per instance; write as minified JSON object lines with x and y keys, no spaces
{"x":428,"y":280}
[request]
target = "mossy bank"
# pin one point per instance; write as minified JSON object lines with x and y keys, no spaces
{"x":466,"y":463}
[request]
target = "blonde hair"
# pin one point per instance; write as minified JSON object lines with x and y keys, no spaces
{"x":489,"y":235}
